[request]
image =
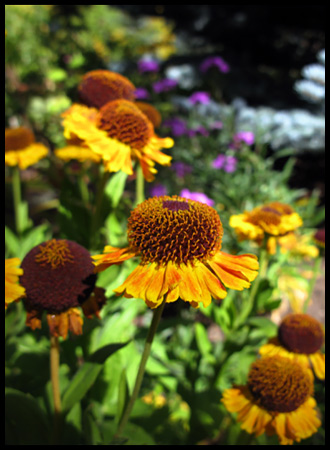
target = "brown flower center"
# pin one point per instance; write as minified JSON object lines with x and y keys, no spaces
{"x":99,"y":87}
{"x":123,"y":121}
{"x":301,"y":333}
{"x":18,"y":138}
{"x":57,"y":275}
{"x":279,"y":384}
{"x":163,"y":229}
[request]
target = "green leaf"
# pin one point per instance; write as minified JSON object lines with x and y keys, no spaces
{"x":123,"y":395}
{"x":25,"y":422}
{"x":87,"y":374}
{"x":115,"y":187}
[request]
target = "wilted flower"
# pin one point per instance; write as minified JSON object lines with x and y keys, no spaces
{"x":58,"y":277}
{"x":277,"y":399}
{"x":178,"y":241}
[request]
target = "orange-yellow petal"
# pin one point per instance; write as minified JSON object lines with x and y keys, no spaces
{"x":318,"y":363}
{"x":111,"y":255}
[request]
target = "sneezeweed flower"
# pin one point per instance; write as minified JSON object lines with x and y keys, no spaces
{"x":99,"y":87}
{"x":120,"y":133}
{"x":151,"y":112}
{"x":200,"y":97}
{"x":13,"y":290}
{"x":58,"y":277}
{"x":178,"y":242}
{"x":270,"y":220}
{"x":277,"y":399}
{"x":21,"y":148}
{"x":77,"y":150}
{"x":300,"y":338}
{"x":215,"y":61}
{"x":197,"y":197}
{"x":298,"y":245}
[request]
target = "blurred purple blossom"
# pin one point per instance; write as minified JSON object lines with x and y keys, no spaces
{"x":147,"y":65}
{"x":141,"y":93}
{"x":197,"y":196}
{"x":200,"y":97}
{"x":164,"y":85}
{"x":157,"y":190}
{"x":178,"y":126}
{"x":226,"y":163}
{"x":217,"y":125}
{"x":215,"y":61}
{"x":198,"y":130}
{"x":181,"y":169}
{"x":244,"y":136}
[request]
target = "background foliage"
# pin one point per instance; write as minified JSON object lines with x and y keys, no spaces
{"x":197,"y":353}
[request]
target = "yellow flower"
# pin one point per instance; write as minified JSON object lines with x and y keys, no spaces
{"x":58,"y":278}
{"x":178,"y":241}
{"x":272,"y":220}
{"x":300,"y":338}
{"x":21,"y":149}
{"x":277,"y":399}
{"x":119,"y":133}
{"x":13,"y":291}
{"x":298,"y":245}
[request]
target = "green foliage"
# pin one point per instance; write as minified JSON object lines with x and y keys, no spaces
{"x":196,"y":354}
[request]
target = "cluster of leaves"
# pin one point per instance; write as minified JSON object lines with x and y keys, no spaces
{"x":196,"y":354}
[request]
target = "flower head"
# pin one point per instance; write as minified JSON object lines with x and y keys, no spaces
{"x":99,"y":87}
{"x":178,"y":242}
{"x":300,"y":338}
{"x":200,"y":97}
{"x":226,"y":163}
{"x":119,"y":133}
{"x":13,"y":290}
{"x":21,"y":149}
{"x":151,"y":112}
{"x":148,"y":65}
{"x":58,"y":277}
{"x":276,"y":399}
{"x":272,"y":219}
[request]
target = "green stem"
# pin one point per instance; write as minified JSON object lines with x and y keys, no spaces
{"x":316,"y":272}
{"x":17,"y":196}
{"x":249,"y":305}
{"x":95,"y":224}
{"x":144,"y":358}
{"x":54,"y":376}
{"x":139,"y":185}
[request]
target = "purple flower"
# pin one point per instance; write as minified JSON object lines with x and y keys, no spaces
{"x":148,"y":65}
{"x":217,"y":125}
{"x":215,"y":61}
{"x":226,"y":163}
{"x":178,"y":126}
{"x":164,"y":85}
{"x":244,"y":136}
{"x":198,"y":130}
{"x":197,"y":196}
{"x":181,"y":169}
{"x":157,"y":190}
{"x":141,"y":93}
{"x":200,"y":97}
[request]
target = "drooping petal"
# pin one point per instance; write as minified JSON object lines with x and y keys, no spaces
{"x":111,"y":255}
